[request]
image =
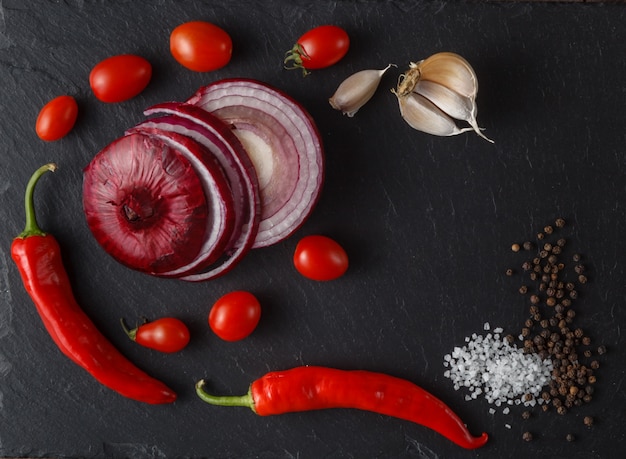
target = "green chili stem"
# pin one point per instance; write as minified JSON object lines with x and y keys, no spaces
{"x":224,"y":400}
{"x":32,"y":228}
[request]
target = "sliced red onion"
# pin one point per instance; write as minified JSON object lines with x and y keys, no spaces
{"x":219,"y":221}
{"x":144,"y":204}
{"x":209,"y":131}
{"x":283,"y":143}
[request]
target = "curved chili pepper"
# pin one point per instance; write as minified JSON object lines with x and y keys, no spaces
{"x":313,"y":388}
{"x":38,"y":258}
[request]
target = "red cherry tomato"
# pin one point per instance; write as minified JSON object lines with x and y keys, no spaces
{"x":318,"y":48}
{"x":57,"y":118}
{"x":320,"y":258}
{"x":201,"y":46}
{"x":119,"y":78}
{"x":235,"y":315}
{"x":166,"y":335}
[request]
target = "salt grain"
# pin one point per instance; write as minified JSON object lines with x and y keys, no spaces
{"x":501,"y":372}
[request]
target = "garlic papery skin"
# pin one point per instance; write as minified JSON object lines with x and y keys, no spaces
{"x":451,"y":103}
{"x":452,"y":71}
{"x":423,"y":115}
{"x":356,"y":90}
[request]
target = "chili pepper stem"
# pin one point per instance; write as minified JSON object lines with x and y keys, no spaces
{"x":224,"y":400}
{"x":32,"y":228}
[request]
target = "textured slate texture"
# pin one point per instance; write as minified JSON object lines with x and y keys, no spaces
{"x":428,"y":223}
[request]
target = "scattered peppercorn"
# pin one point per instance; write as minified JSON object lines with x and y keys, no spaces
{"x":515,"y":247}
{"x":588,"y":421}
{"x":527,"y":436}
{"x":549,"y":331}
{"x":509,"y":272}
{"x":526,"y":414}
{"x":570,"y":437}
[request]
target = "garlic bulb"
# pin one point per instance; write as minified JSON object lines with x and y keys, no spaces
{"x":446,"y":80}
{"x":356,"y":90}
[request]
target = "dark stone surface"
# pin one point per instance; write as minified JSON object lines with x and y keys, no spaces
{"x":428,"y":223}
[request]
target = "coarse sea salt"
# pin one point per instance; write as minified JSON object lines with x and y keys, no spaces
{"x":497,"y":370}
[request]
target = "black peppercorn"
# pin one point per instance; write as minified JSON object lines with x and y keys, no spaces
{"x":588,"y":420}
{"x":559,"y":222}
{"x":534,"y":299}
{"x":579,"y":333}
{"x":527,"y":436}
{"x":526,"y":414}
{"x":601,"y":350}
{"x":570,"y":437}
{"x":528,"y":245}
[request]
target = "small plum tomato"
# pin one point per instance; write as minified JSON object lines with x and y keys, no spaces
{"x":57,"y":118}
{"x":201,"y":46}
{"x":119,"y":78}
{"x":320,"y":258}
{"x":165,"y":335}
{"x":318,"y":48}
{"x":235,"y":315}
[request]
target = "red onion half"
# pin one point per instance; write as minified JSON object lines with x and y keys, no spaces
{"x":283,"y":143}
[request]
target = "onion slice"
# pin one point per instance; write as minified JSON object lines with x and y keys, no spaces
{"x":284,"y":146}
{"x":144,"y":204}
{"x":209,"y":131}
{"x":219,"y":221}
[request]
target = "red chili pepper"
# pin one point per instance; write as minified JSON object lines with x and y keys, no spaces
{"x":313,"y":388}
{"x":38,"y":258}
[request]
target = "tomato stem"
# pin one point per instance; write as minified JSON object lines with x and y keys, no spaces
{"x":132,"y":334}
{"x":293,"y":59}
{"x":32,"y":228}
{"x":224,"y":400}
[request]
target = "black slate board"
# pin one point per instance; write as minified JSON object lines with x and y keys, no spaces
{"x":428,"y":223}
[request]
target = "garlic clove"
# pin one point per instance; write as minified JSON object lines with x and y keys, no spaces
{"x":423,"y":115}
{"x":450,"y":70}
{"x":356,"y":90}
{"x":451,"y":102}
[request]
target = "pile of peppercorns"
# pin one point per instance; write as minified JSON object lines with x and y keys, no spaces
{"x":552,"y":287}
